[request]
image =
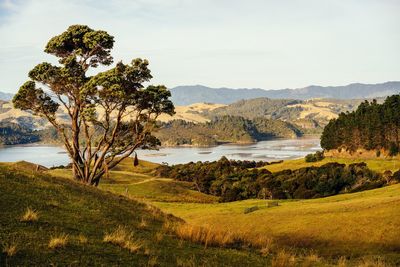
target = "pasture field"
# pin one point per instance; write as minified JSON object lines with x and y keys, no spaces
{"x":376,"y":164}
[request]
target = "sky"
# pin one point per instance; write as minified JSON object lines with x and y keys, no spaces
{"x":269,"y":44}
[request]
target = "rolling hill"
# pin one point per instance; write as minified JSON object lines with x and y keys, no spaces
{"x":358,"y":229}
{"x":49,"y":221}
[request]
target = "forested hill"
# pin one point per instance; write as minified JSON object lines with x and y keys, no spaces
{"x":224,"y":129}
{"x":186,"y":95}
{"x":372,"y":126}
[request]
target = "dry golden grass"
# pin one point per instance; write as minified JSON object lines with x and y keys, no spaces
{"x":203,"y":235}
{"x":191,"y":112}
{"x":30,"y":215}
{"x":283,"y":259}
{"x":266,"y":249}
{"x":58,"y":241}
{"x":10,"y":249}
{"x":158,"y":237}
{"x":153,"y":261}
{"x":143,"y":224}
{"x":313,"y":109}
{"x":82,"y":239}
{"x":311,"y":260}
{"x":373,"y":263}
{"x":342,"y":262}
{"x":122,"y":238}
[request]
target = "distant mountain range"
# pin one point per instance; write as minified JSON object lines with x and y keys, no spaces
{"x":6,"y":96}
{"x":186,"y":95}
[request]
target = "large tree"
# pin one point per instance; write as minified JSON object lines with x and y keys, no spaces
{"x":110,"y":114}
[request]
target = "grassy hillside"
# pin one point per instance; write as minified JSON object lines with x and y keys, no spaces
{"x":376,"y":164}
{"x":71,"y":222}
{"x":192,"y":113}
{"x":350,"y":225}
{"x":359,"y":229}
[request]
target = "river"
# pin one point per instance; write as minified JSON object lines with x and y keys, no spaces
{"x":266,"y":150}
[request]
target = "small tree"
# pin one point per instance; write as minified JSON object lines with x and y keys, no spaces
{"x":110,"y":114}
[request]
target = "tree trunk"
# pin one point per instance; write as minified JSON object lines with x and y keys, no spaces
{"x":77,"y":163}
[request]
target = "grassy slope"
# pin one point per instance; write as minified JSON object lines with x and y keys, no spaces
{"x":70,"y":208}
{"x":379,"y":165}
{"x":137,"y":182}
{"x":365,"y":223}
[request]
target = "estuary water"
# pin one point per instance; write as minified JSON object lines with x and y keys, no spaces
{"x":272,"y":150}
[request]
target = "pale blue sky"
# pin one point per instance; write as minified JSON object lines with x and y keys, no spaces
{"x":254,"y":43}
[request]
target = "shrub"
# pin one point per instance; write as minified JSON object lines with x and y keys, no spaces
{"x":272,"y":204}
{"x":317,"y":156}
{"x":30,"y":215}
{"x":250,"y":209}
{"x":393,"y":149}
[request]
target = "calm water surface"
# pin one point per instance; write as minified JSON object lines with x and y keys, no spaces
{"x":266,"y":150}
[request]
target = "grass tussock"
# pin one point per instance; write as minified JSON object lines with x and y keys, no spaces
{"x":10,"y":249}
{"x":158,"y":237}
{"x":311,"y":259}
{"x":191,"y":262}
{"x":267,"y":247}
{"x":30,"y":215}
{"x":82,"y":239}
{"x":153,"y":261}
{"x":58,"y":241}
{"x":124,"y":239}
{"x":284,"y":259}
{"x":143,"y":224}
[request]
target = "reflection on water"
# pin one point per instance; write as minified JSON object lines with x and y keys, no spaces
{"x":265,"y":150}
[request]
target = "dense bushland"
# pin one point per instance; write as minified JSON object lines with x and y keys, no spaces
{"x":236,"y":180}
{"x":372,"y":126}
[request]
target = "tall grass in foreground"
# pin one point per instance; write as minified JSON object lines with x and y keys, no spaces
{"x":216,"y":238}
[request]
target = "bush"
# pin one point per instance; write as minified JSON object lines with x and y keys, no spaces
{"x":317,"y":156}
{"x":250,"y":209}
